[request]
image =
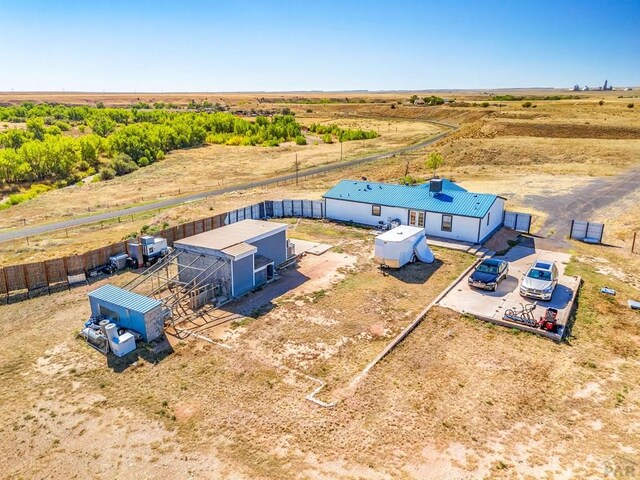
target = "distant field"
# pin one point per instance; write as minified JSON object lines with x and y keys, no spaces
{"x":507,"y":149}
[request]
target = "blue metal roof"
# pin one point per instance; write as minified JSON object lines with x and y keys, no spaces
{"x":453,"y":201}
{"x":124,"y":298}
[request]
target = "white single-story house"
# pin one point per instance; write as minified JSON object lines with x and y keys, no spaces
{"x":441,"y":207}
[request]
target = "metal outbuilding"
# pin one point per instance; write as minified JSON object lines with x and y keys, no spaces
{"x":128,"y":310}
{"x":251,"y":248}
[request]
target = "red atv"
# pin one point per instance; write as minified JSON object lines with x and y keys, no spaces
{"x":549,"y":321}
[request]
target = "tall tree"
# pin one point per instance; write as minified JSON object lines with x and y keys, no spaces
{"x":434,"y":161}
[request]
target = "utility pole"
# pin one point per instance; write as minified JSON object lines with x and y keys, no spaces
{"x":297,"y":167}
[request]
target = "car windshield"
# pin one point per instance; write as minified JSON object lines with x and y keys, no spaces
{"x":539,"y":274}
{"x":484,"y":268}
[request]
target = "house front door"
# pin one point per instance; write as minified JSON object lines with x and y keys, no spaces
{"x":416,"y":218}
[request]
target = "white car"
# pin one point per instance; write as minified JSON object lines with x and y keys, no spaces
{"x":540,"y":280}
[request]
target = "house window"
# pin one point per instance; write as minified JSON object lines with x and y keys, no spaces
{"x":376,"y":210}
{"x":447,"y":223}
{"x":488,"y":217}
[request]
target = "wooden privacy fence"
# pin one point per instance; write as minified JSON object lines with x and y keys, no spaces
{"x":31,"y":279}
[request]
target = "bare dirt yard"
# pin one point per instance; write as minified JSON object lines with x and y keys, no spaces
{"x":459,"y":398}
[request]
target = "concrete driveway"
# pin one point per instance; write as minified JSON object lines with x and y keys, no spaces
{"x":492,"y":305}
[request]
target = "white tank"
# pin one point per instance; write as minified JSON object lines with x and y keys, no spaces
{"x":112,"y":334}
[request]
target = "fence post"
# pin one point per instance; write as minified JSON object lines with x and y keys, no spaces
{"x":633,"y":243}
{"x":571,"y":231}
{"x":25,"y":275}
{"x":601,"y":233}
{"x":46,"y":276}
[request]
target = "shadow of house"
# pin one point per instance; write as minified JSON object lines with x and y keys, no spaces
{"x":415,"y":273}
{"x":263,"y":297}
{"x":259,"y":302}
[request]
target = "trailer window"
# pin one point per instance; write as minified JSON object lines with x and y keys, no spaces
{"x":376,"y":210}
{"x":447,"y":223}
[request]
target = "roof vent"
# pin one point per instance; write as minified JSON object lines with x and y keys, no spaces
{"x":435,"y":185}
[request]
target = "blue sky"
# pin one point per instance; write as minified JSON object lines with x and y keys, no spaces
{"x":282,"y":45}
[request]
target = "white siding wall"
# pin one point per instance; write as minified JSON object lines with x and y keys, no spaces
{"x":361,"y":212}
{"x":495,"y":218}
{"x":463,"y":228}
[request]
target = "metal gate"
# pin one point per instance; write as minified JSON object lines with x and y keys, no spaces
{"x":520,"y":222}
{"x":589,"y":232}
{"x":295,"y":208}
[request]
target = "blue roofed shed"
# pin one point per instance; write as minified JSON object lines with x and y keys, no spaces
{"x":442,"y":207}
{"x":128,"y":310}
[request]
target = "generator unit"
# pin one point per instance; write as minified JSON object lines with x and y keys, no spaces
{"x":149,"y":250}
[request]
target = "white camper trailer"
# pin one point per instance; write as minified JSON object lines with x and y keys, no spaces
{"x":401,"y":245}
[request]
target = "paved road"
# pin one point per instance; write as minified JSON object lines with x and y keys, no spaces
{"x":171,"y":202}
{"x":581,"y":203}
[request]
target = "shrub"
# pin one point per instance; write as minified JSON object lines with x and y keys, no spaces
{"x":601,"y":102}
{"x":527,"y":105}
{"x":143,"y":162}
{"x":485,"y":104}
{"x":409,"y":180}
{"x":123,"y":164}
{"x":159,"y":155}
{"x":309,"y":110}
{"x":301,"y":140}
{"x":630,"y":105}
{"x":107,"y":173}
{"x":327,"y":138}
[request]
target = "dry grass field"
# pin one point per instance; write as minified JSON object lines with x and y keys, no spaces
{"x":457,"y":399}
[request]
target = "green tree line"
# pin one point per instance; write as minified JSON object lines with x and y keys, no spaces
{"x":43,"y":152}
{"x":343,"y":135}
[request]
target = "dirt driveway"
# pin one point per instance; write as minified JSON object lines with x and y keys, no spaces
{"x":465,"y":299}
{"x":581,"y":204}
